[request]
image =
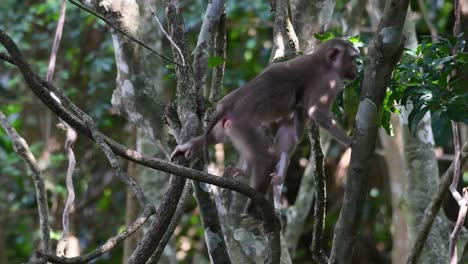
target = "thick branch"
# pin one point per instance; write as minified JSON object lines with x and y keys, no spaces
{"x":219,"y":51}
{"x":186,"y":194}
{"x":384,"y":52}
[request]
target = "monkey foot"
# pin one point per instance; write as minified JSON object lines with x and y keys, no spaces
{"x":233,"y":171}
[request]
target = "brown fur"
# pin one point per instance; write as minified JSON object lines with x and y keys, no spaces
{"x":283,"y":93}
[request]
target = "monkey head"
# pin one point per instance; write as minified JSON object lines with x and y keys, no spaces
{"x":341,"y":57}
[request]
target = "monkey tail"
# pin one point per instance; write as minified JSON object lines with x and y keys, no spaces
{"x":219,"y":114}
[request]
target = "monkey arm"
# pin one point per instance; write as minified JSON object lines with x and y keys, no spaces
{"x":326,"y":121}
{"x":188,"y":149}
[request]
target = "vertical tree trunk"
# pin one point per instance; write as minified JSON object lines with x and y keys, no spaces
{"x":423,"y":179}
{"x":138,"y":91}
{"x":384,"y":52}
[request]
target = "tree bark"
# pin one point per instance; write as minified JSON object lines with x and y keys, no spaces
{"x":384,"y":52}
{"x":423,"y":178}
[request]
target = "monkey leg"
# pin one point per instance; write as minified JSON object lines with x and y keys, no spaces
{"x":287,"y":137}
{"x":191,"y":147}
{"x":255,"y":147}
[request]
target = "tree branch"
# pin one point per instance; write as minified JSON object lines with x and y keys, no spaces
{"x":22,"y":149}
{"x":79,"y":5}
{"x":47,"y":92}
{"x":55,"y":100}
{"x":186,"y":194}
{"x":384,"y":52}
{"x":320,"y":195}
{"x":109,"y":245}
{"x":433,"y":208}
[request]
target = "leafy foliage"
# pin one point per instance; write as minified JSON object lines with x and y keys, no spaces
{"x":430,"y":78}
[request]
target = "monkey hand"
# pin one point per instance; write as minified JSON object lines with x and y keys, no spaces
{"x":185,"y":149}
{"x":276,"y":179}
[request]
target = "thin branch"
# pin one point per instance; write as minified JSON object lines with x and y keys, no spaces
{"x":427,"y":20}
{"x":22,"y":149}
{"x":172,"y":226}
{"x":70,"y":139}
{"x":121,"y":31}
{"x":106,"y":247}
{"x":458,"y":226}
{"x":130,"y":182}
{"x":56,"y":44}
{"x":433,"y":208}
{"x":164,"y":215}
{"x":69,"y":142}
{"x":320,"y":194}
{"x":204,"y":46}
{"x":69,"y":112}
{"x":217,"y":250}
{"x":462,"y":201}
{"x":153,"y":12}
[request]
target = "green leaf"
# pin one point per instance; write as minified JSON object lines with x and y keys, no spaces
{"x":457,"y":114}
{"x":441,"y":127}
{"x":415,"y":117}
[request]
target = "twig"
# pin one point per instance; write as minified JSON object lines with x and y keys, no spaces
{"x":458,"y":226}
{"x":462,"y":201}
{"x":56,"y":44}
{"x":153,"y":12}
{"x":70,"y":139}
{"x":433,"y":208}
{"x":121,"y":31}
{"x":22,"y":149}
{"x":69,"y":142}
{"x":106,"y":247}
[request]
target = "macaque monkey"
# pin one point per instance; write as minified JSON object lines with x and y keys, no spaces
{"x":284,"y":93}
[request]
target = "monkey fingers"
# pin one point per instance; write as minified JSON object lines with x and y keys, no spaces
{"x":234,"y":171}
{"x":276,"y":179}
{"x":185,"y":149}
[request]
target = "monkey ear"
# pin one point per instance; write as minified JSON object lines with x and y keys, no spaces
{"x":333,"y":54}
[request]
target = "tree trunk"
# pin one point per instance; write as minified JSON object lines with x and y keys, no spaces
{"x":137,"y":94}
{"x":423,"y":179}
{"x":384,"y":52}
